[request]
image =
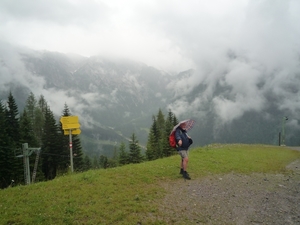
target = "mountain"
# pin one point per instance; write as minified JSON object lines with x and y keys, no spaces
{"x":113,"y":97}
{"x":116,"y":97}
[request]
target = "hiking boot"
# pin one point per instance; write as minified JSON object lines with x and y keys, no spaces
{"x":181,"y":171}
{"x":186,"y":175}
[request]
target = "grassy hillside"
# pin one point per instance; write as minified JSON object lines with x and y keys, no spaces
{"x":130,"y":194}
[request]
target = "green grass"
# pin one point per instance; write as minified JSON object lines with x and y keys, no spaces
{"x":130,"y":194}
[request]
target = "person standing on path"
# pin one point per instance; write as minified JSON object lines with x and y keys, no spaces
{"x":183,"y":144}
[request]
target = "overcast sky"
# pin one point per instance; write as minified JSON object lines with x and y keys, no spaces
{"x":168,"y":34}
{"x":240,"y":42}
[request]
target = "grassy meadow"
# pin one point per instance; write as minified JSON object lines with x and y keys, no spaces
{"x":130,"y":194}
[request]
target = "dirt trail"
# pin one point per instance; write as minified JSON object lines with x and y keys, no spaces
{"x":235,"y":199}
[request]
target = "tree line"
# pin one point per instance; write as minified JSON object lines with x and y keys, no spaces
{"x":37,"y":126}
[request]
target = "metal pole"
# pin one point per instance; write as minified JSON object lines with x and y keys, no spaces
{"x":283,"y":130}
{"x":71,"y":150}
{"x":26,"y":161}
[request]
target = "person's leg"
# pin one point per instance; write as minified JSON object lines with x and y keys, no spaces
{"x":182,"y":155}
{"x":185,"y":173}
{"x":181,"y":166}
{"x":185,"y":163}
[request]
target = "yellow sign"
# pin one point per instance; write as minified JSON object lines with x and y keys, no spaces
{"x":69,"y":119}
{"x":76,"y":132}
{"x":68,"y":126}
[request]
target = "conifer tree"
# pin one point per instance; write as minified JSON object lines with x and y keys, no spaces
{"x":87,"y":163}
{"x":36,"y":116}
{"x":39,"y":120}
{"x":103,"y":161}
{"x":151,"y":153}
{"x":114,"y":161}
{"x":77,"y":153}
{"x":160,"y":123}
{"x":123,"y":155}
{"x":16,"y":167}
{"x":168,"y":150}
{"x":52,"y":146}
{"x":5,"y":151}
{"x":175,"y":120}
{"x":26,"y":130}
{"x":95,"y":164}
{"x":30,"y":107}
{"x":12,"y":118}
{"x":158,"y":139}
{"x":170,"y":121}
{"x":157,"y":144}
{"x":135,"y":155}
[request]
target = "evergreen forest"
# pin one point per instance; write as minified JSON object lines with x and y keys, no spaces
{"x":50,"y":152}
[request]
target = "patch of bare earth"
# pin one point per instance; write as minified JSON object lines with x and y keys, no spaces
{"x":235,"y":199}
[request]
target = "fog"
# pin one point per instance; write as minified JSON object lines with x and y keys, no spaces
{"x":249,"y":48}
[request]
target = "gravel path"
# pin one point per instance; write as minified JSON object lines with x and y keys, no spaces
{"x":235,"y":199}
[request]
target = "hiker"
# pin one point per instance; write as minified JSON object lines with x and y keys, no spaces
{"x":183,"y":144}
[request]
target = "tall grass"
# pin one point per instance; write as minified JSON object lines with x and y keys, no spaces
{"x":130,"y":194}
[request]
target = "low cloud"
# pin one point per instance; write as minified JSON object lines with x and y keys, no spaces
{"x":240,"y":69}
{"x":243,"y":53}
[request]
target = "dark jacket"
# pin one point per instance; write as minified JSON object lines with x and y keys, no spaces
{"x":181,"y":134}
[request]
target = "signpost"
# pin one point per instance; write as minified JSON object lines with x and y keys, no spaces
{"x":74,"y":132}
{"x":70,"y":125}
{"x":69,"y":119}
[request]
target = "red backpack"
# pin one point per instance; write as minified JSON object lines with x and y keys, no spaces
{"x":172,"y":140}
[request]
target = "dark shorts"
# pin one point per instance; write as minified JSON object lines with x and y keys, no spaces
{"x":183,"y":153}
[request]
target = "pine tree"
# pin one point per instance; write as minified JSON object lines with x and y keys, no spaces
{"x":170,"y":122}
{"x":39,"y":121}
{"x":5,"y":151}
{"x":15,"y":166}
{"x":95,"y":164}
{"x":77,"y":153}
{"x":168,"y":150}
{"x":175,"y":120}
{"x":26,"y":130}
{"x":87,"y":163}
{"x":114,"y":161}
{"x":161,"y":135}
{"x":157,"y":144}
{"x":36,"y":116}
{"x":13,"y":123}
{"x":158,"y":139}
{"x":123,"y":155}
{"x":135,"y":155}
{"x":151,"y":145}
{"x":103,"y":161}
{"x":30,"y":107}
{"x":52,"y":146}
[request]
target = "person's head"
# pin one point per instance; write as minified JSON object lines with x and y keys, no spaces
{"x":182,"y":126}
